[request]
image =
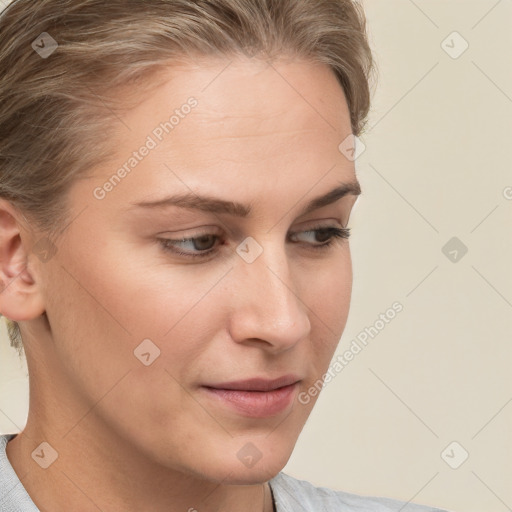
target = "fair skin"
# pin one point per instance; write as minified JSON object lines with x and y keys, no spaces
{"x":133,"y":437}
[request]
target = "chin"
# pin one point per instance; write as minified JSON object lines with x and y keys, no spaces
{"x":247,"y":465}
{"x":258,"y":474}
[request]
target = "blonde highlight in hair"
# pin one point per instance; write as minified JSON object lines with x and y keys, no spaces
{"x":55,"y":111}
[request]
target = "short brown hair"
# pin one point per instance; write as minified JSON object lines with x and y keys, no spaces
{"x":55,"y":111}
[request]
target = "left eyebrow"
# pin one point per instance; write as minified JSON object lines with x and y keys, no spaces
{"x":216,"y":205}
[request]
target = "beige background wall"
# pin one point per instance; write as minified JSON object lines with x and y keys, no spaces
{"x":436,"y":166}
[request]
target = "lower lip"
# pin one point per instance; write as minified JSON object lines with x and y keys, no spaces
{"x":255,"y":404}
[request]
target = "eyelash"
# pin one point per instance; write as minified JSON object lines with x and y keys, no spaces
{"x":337,"y":234}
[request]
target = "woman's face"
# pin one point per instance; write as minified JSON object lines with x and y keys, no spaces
{"x":140,"y":332}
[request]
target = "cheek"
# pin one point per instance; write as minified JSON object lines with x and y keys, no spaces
{"x":330,"y":293}
{"x":99,"y":319}
{"x":107,"y":295}
{"x":87,"y":328}
{"x":329,"y":305}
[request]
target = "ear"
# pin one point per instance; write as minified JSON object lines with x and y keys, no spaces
{"x":20,"y":294}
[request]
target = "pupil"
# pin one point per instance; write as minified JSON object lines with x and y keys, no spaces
{"x":201,"y":240}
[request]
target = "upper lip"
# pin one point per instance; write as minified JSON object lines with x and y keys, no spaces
{"x":256,"y":384}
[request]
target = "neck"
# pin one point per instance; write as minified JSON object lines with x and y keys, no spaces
{"x":89,"y":476}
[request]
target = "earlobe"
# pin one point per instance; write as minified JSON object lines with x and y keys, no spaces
{"x":20,"y":297}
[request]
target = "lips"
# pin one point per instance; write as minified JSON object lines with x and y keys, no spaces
{"x":256,"y":384}
{"x":255,"y":398}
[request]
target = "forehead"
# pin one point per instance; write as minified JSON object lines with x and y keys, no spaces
{"x":253,"y":124}
{"x":245,"y":95}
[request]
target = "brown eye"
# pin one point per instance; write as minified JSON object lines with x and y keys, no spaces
{"x":327,"y":235}
{"x":203,"y":246}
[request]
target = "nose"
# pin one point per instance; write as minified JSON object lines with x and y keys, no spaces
{"x":267,"y":308}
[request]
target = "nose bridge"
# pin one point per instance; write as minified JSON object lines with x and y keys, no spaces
{"x":268,"y":304}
